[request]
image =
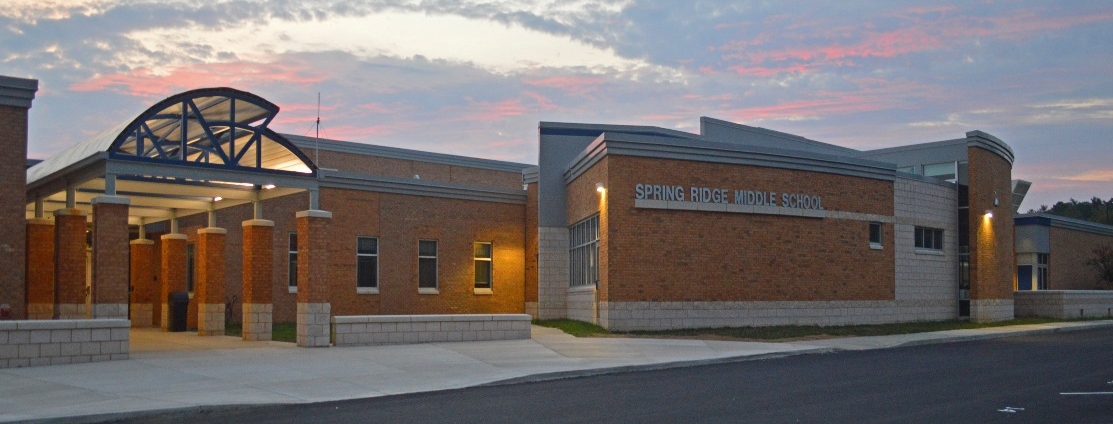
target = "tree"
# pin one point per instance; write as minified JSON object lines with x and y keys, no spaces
{"x":1095,"y":210}
{"x":1101,"y":260}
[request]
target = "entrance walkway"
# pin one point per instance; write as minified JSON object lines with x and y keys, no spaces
{"x":182,"y":370}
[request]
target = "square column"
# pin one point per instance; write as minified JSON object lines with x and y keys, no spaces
{"x":110,"y":257}
{"x":69,"y":265}
{"x":172,"y":272}
{"x":314,"y":310}
{"x":40,"y":268}
{"x":209,"y":292}
{"x":258,"y":279}
{"x":143,"y":282}
{"x":15,"y":101}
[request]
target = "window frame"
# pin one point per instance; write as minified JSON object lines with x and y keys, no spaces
{"x":374,"y":287}
{"x":928,"y":240}
{"x":583,"y":252}
{"x":490,"y":264}
{"x":876,"y":244}
{"x":292,"y":262}
{"x":435,"y":289}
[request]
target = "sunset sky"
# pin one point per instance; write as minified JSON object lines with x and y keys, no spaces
{"x":474,"y":78}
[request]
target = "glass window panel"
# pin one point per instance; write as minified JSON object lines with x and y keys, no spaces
{"x":368,"y":245}
{"x":482,"y":250}
{"x":483,"y":274}
{"x":427,"y":248}
{"x":944,"y":171}
{"x":427,"y":273}
{"x":367,"y":271}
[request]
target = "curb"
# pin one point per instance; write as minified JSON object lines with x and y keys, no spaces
{"x":973,"y":337}
{"x":591,"y":372}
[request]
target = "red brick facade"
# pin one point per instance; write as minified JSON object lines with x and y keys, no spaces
{"x":992,"y":256}
{"x":13,"y":181}
{"x":69,"y":257}
{"x":144,"y":272}
{"x":210,"y":261}
{"x":402,"y":168}
{"x":40,"y":262}
{"x":531,"y":243}
{"x":670,"y":255}
{"x":172,"y":275}
{"x":1069,"y":251}
{"x":110,"y":255}
{"x":258,"y":262}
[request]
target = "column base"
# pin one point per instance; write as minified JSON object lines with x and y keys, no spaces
{"x":110,"y":310}
{"x":991,"y":310}
{"x":257,"y":321}
{"x":210,"y":319}
{"x":72,"y":311}
{"x":313,"y":324}
{"x":142,"y":315}
{"x":40,"y":311}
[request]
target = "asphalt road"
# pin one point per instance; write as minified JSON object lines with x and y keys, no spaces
{"x":1004,"y":380}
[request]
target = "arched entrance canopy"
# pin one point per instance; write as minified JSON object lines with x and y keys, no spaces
{"x":178,"y":157}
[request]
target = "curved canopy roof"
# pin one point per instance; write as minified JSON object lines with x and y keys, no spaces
{"x":180,"y":156}
{"x":209,"y":127}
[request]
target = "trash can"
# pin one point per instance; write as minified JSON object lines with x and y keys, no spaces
{"x":179,"y":310}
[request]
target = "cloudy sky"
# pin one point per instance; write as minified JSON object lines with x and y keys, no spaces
{"x":475,"y":78}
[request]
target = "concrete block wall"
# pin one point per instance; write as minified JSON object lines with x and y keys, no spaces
{"x":1064,"y":304}
{"x":926,"y":276}
{"x":36,"y":343}
{"x":367,"y":330}
{"x":626,"y":316}
{"x":582,"y":304}
{"x":552,"y":272}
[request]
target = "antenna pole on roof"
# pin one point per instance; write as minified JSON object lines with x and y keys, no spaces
{"x":317,"y":143}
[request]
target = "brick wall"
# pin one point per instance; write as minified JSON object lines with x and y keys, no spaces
{"x":531,"y":249}
{"x":110,"y":257}
{"x":69,"y":263}
{"x":992,"y":256}
{"x":662,"y":255}
{"x":402,"y":168}
{"x":1066,"y":268}
{"x":40,"y":276}
{"x":13,"y":182}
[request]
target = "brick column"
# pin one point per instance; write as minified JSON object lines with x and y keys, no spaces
{"x":110,"y":257}
{"x":258,"y":279}
{"x":314,"y":310}
{"x":992,"y":254}
{"x":172,"y":273}
{"x":143,"y":282}
{"x":69,"y":265}
{"x":40,"y":268}
{"x":209,"y":293}
{"x":15,"y":101}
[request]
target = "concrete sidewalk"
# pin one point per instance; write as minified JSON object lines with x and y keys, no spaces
{"x":178,"y":370}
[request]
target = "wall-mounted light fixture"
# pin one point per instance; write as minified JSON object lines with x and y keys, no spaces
{"x":988,"y":214}
{"x":268,"y":186}
{"x":599,"y":187}
{"x":217,"y":199}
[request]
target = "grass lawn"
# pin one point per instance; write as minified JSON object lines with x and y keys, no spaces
{"x":280,"y":331}
{"x":786,"y":332}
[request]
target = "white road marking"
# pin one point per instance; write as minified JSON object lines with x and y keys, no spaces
{"x":1010,"y":409}
{"x":1086,"y":393}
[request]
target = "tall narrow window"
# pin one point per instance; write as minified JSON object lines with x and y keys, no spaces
{"x":427,"y":264}
{"x":293,"y":262}
{"x":1041,"y":271}
{"x":875,"y":235}
{"x":367,"y":263}
{"x":190,"y":262}
{"x":584,"y":252}
{"x":482,"y":253}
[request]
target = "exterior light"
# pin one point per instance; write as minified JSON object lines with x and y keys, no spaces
{"x":599,"y":187}
{"x":217,"y":199}
{"x":988,"y":214}
{"x":268,"y":186}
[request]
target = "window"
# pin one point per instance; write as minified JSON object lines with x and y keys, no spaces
{"x":943,"y":171}
{"x":293,"y":263}
{"x":584,"y":252}
{"x":427,"y":264}
{"x":482,"y":253}
{"x":875,"y":235}
{"x":190,"y":263}
{"x":929,"y":238}
{"x":1041,"y":271}
{"x":908,"y":169}
{"x":367,"y":263}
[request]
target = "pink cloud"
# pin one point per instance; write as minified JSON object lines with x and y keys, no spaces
{"x":572,"y":84}
{"x":144,"y":82}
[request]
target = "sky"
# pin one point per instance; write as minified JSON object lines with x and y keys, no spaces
{"x":475,"y":77}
